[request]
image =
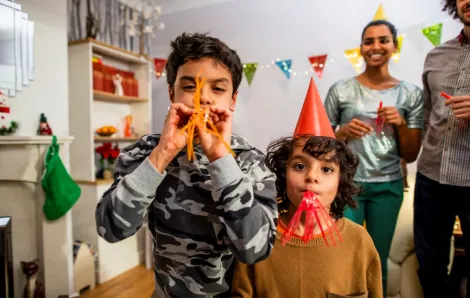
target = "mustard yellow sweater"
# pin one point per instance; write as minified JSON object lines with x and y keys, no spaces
{"x":313,"y":270}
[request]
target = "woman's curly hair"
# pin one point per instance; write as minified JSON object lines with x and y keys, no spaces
{"x":451,"y":7}
{"x":281,"y":150}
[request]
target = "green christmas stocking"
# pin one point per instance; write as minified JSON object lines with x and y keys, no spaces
{"x":61,"y":191}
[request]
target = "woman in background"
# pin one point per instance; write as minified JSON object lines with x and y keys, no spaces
{"x":381,"y":118}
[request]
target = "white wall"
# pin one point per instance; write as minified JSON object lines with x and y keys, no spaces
{"x":262,"y":30}
{"x":48,"y":93}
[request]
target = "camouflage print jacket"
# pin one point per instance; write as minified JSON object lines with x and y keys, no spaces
{"x":201,"y":214}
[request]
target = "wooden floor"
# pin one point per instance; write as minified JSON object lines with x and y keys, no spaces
{"x":135,"y":283}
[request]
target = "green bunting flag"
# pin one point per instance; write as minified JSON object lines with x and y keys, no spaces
{"x":433,"y":33}
{"x":249,"y":70}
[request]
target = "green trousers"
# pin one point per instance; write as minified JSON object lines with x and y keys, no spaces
{"x":379,"y":205}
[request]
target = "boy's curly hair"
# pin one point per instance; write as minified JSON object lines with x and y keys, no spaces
{"x":281,"y":150}
{"x":187,"y":47}
{"x":451,"y":7}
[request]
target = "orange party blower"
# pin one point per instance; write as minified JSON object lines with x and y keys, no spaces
{"x":200,"y":116}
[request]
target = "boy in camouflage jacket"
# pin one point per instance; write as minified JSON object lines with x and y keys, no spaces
{"x":204,"y":213}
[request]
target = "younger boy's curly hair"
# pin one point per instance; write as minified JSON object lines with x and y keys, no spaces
{"x":281,"y":150}
{"x":187,"y":47}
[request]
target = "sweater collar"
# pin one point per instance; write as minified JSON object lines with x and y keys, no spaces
{"x":331,"y":236}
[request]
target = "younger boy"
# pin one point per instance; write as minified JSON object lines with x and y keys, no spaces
{"x":203,"y":213}
{"x":314,"y":162}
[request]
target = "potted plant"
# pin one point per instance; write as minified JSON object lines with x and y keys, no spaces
{"x":108,"y":155}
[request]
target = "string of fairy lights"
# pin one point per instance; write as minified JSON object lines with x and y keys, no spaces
{"x":352,"y":55}
{"x":285,"y":67}
{"x":272,"y":64}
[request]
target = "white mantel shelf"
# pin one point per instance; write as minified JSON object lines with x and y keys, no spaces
{"x":24,"y":156}
{"x":33,"y":140}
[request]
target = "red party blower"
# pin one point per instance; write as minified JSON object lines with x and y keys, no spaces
{"x":379,"y":120}
{"x":315,"y":214}
{"x":447,"y":96}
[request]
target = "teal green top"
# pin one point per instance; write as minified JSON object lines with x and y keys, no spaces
{"x":377,"y":151}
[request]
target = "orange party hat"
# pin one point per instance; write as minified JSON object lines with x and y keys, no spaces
{"x":313,"y":119}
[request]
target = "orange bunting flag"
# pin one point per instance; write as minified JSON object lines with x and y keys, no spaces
{"x":396,"y":55}
{"x":355,"y":58}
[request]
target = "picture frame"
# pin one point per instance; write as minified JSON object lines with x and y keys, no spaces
{"x":7,"y":46}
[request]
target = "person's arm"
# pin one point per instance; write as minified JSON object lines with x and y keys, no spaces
{"x":245,"y":198}
{"x":409,"y":131}
{"x":122,"y":208}
{"x":243,"y":283}
{"x":374,"y":277}
{"x":427,"y":102}
{"x":332,"y":110}
{"x":408,"y":127}
{"x":409,"y":142}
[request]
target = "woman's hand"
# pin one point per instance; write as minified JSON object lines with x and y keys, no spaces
{"x":390,"y":115}
{"x":355,"y":129}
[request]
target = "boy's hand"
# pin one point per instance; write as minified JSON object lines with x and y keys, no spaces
{"x":355,"y":129}
{"x":213,"y":147}
{"x":390,"y":115}
{"x":171,"y":140}
{"x":460,"y":106}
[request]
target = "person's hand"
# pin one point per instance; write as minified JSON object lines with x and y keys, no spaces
{"x":460,"y":106}
{"x":390,"y":115}
{"x":355,"y":129}
{"x":171,"y":140}
{"x":213,"y":146}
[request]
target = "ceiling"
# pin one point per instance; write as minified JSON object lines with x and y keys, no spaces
{"x":174,"y":6}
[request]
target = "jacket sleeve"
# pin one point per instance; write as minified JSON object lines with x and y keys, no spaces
{"x":243,"y":285}
{"x":374,"y":277}
{"x":245,"y":195}
{"x":122,"y":208}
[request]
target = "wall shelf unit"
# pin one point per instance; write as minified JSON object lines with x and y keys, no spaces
{"x":111,"y":51}
{"x":90,"y":109}
{"x":96,"y":182}
{"x":115,"y":139}
{"x":109,"y":97}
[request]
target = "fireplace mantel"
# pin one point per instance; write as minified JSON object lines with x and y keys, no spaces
{"x":22,"y":198}
{"x":23,"y":156}
{"x":33,"y":140}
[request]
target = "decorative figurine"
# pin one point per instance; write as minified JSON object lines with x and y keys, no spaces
{"x":33,"y":288}
{"x":44,"y":129}
{"x":117,"y":81}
